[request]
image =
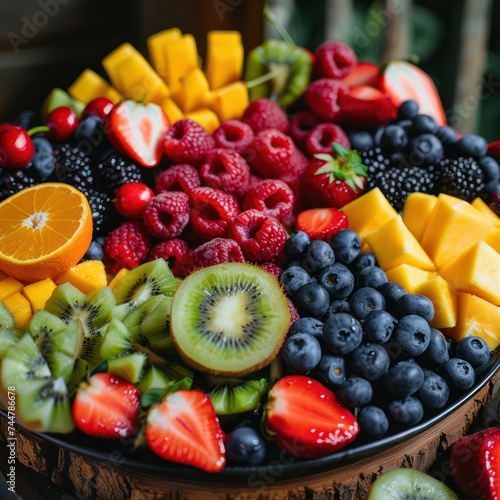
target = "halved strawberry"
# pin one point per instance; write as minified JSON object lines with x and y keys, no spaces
{"x":366,"y":106}
{"x":365,"y":73}
{"x":306,"y":418}
{"x":107,"y":406}
{"x":184,"y":428}
{"x":402,"y":80}
{"x":494,"y":150}
{"x":321,"y":223}
{"x":475,"y":464}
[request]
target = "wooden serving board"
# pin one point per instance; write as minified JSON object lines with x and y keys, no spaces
{"x":76,"y":476}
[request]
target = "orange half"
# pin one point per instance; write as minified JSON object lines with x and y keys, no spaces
{"x":44,"y":230}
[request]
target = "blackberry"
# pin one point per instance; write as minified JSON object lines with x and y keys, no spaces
{"x":397,"y":183}
{"x":104,"y":217}
{"x":12,"y":181}
{"x":73,"y":166}
{"x":377,"y":164}
{"x":461,"y":177}
{"x":118,"y":169}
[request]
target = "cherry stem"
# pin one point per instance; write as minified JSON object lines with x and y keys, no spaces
{"x":271,"y":17}
{"x":38,"y":129}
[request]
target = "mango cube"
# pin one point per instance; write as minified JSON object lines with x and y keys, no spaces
{"x":416,"y":212}
{"x":86,"y":276}
{"x":481,"y":205}
{"x":368,"y":211}
{"x":89,"y":86}
{"x":444,"y":299}
{"x":38,"y":293}
{"x":19,"y":307}
{"x":453,"y":226}
{"x":9,"y":286}
{"x":156,"y":48}
{"x":224,"y":60}
{"x":230,"y":102}
{"x":173,"y":112}
{"x":409,"y":277}
{"x":476,"y":271}
{"x":206,"y":118}
{"x":113,"y":60}
{"x":393,"y":244}
{"x":195,"y":91}
{"x":117,"y":278}
{"x":493,"y":238}
{"x":181,"y":57}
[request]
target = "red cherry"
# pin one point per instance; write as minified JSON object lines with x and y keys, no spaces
{"x":62,"y":122}
{"x":99,"y":107}
{"x":16,"y":146}
{"x":131,"y":199}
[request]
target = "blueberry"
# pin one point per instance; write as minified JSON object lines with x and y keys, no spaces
{"x":458,"y":373}
{"x":26,"y":119}
{"x":370,"y":361}
{"x":406,"y":412}
{"x":403,"y":379}
{"x":100,"y":239}
{"x":424,"y":124}
{"x":301,"y":352}
{"x":338,"y":306}
{"x":391,"y":291}
{"x":342,"y":333}
{"x":364,"y":301}
{"x":446,"y":135}
{"x":347,"y":245}
{"x":44,"y":164}
{"x":472,"y":145}
{"x":378,"y":326}
{"x":372,"y":276}
{"x":94,"y":251}
{"x":364,"y":259}
{"x":355,"y":392}
{"x":330,"y":370}
{"x":436,"y":353}
{"x":312,"y":299}
{"x":425,"y":149}
{"x":490,"y":168}
{"x":90,"y":129}
{"x":319,"y":254}
{"x":412,"y":303}
{"x":313,"y":326}
{"x":491,"y":186}
{"x":360,"y":139}
{"x":394,"y":137}
{"x":377,"y":136}
{"x":451,"y":344}
{"x":337,"y":280}
{"x":373,"y":421}
{"x":407,"y":110}
{"x":293,"y":278}
{"x":413,"y":334}
{"x":434,"y":391}
{"x":473,"y":349}
{"x":42,"y":145}
{"x":245,"y":446}
{"x":296,"y":245}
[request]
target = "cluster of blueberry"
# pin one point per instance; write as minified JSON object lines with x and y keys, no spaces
{"x":368,"y":339}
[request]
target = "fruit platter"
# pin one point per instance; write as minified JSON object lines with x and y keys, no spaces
{"x":262,"y":275}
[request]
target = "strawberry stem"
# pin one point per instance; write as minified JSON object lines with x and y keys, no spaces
{"x":271,"y":17}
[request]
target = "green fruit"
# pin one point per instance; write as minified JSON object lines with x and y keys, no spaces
{"x":129,"y":366}
{"x":229,"y":319}
{"x":9,"y":331}
{"x":403,"y":484}
{"x":58,"y":98}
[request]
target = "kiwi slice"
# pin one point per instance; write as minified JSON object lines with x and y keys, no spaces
{"x":232,"y":395}
{"x":129,"y":366}
{"x":42,"y":401}
{"x":9,"y":331}
{"x":399,"y":484}
{"x":229,"y":319}
{"x":144,"y":281}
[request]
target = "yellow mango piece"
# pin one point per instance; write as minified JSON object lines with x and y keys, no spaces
{"x":112,"y":61}
{"x":156,"y":48}
{"x":2,"y":275}
{"x":476,"y":271}
{"x":206,"y":118}
{"x":224,"y":61}
{"x":86,"y":276}
{"x":482,"y":206}
{"x":409,"y":277}
{"x":173,"y":112}
{"x":230,"y":101}
{"x":195,"y":91}
{"x":38,"y":293}
{"x":416,"y":212}
{"x":393,"y":244}
{"x":9,"y":286}
{"x":493,"y":238}
{"x":89,"y":86}
{"x":476,"y":316}
{"x":20,"y":307}
{"x":444,"y":299}
{"x":453,"y":226}
{"x":117,"y":278}
{"x":368,"y":211}
{"x":181,"y":57}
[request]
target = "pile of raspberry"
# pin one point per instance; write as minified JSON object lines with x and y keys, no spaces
{"x":230,"y":196}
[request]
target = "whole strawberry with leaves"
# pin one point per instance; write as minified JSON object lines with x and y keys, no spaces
{"x":333,"y":180}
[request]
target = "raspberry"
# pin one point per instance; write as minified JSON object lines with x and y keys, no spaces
{"x":126,"y":246}
{"x":226,"y":170}
{"x":187,"y":142}
{"x":271,"y":268}
{"x":233,"y":134}
{"x":322,"y":98}
{"x":301,"y":126}
{"x":173,"y":251}
{"x":294,"y":314}
{"x":167,"y":214}
{"x":334,"y":59}
{"x":322,"y":137}
{"x":213,"y":211}
{"x":181,"y":177}
{"x":263,"y":114}
{"x":260,"y":237}
{"x":298,"y":165}
{"x":212,"y":252}
{"x":272,"y":197}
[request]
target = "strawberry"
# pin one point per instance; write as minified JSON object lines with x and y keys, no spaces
{"x":184,"y":428}
{"x":475,"y":464}
{"x":137,"y":130}
{"x":365,"y":73}
{"x":321,"y":223}
{"x":107,"y":406}
{"x":307,"y":419}
{"x":333,"y":181}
